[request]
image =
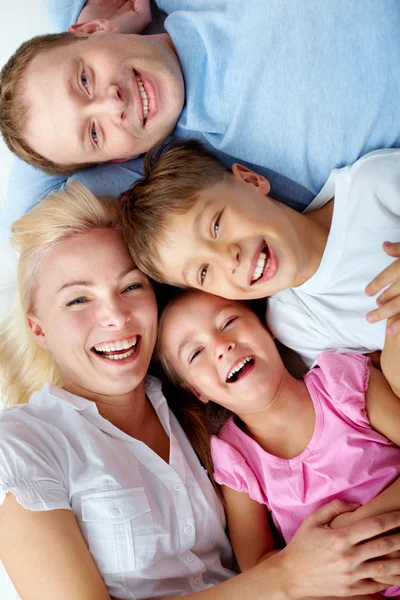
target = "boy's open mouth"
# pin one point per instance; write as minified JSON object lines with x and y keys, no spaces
{"x":262,"y":260}
{"x":117,"y":350}
{"x":144,"y":96}
{"x":240,"y":369}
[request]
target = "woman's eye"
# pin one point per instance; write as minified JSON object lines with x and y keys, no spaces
{"x":194,"y":355}
{"x":203,"y":274}
{"x":77,"y":301}
{"x":134,"y":286}
{"x":228,"y":322}
{"x":217,"y":225}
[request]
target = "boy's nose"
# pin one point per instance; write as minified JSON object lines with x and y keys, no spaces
{"x":230,"y":258}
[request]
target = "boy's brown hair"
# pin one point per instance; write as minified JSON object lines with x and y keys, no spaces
{"x":14,"y":105}
{"x":175,"y":174}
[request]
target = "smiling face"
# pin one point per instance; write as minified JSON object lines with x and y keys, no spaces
{"x":96,"y":313}
{"x":222,"y":352}
{"x":235,"y":241}
{"x":106,"y":97}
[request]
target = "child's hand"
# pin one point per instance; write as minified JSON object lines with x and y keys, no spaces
{"x":389,"y":301}
{"x":130,"y":16}
{"x":343,"y":520}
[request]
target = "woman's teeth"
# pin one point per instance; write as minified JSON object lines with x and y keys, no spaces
{"x":262,"y":264}
{"x":145,"y":98}
{"x":112,"y":350}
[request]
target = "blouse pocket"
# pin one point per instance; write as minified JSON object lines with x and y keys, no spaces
{"x":119,"y":529}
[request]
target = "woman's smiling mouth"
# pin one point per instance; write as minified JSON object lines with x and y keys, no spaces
{"x":118,"y":349}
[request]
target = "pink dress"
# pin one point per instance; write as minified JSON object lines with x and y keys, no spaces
{"x":345,"y":458}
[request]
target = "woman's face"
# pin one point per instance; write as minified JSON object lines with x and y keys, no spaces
{"x":222,"y":352}
{"x":96,"y":313}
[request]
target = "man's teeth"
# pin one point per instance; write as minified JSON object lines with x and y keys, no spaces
{"x":145,"y":98}
{"x":239,"y":366}
{"x":262,"y":264}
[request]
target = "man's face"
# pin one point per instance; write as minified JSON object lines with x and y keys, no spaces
{"x":235,"y":242}
{"x":106,"y":97}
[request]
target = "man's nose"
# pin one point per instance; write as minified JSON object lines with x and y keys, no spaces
{"x":111,"y":103}
{"x":223,"y":348}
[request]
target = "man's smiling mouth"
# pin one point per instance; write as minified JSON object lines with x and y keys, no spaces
{"x":144,"y":96}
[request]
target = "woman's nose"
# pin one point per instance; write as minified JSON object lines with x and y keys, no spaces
{"x":114,"y":314}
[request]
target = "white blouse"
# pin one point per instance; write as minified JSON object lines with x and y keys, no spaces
{"x":155,"y":530}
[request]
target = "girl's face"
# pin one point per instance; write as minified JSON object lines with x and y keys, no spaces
{"x":96,"y":313}
{"x":222,"y":352}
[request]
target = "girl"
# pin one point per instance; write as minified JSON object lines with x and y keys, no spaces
{"x":293,"y":444}
{"x":101,"y":493}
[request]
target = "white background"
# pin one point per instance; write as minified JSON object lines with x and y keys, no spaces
{"x":19,"y":20}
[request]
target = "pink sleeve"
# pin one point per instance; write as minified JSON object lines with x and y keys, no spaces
{"x":231,"y":469}
{"x":346,"y":378}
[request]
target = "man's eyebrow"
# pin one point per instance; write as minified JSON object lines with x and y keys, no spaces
{"x":75,"y":94}
{"x":89,"y":284}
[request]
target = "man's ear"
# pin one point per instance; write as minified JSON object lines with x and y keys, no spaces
{"x":38,"y":333}
{"x":92,"y":27}
{"x":251,"y":177}
{"x":192,"y":390}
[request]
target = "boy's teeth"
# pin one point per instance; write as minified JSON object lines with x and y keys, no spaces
{"x":261,"y":266}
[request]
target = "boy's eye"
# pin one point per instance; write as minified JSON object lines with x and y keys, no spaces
{"x":203,"y":274}
{"x":216,"y":226}
{"x":75,"y":301}
{"x":229,"y":322}
{"x":194,"y":355}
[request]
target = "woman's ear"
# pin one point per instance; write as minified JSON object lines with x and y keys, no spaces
{"x":37,"y":331}
{"x":192,"y":390}
{"x":251,"y":177}
{"x":92,"y":27}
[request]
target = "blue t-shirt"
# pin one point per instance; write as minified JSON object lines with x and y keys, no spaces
{"x":292,"y":88}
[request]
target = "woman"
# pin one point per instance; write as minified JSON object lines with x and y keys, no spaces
{"x":101,"y":493}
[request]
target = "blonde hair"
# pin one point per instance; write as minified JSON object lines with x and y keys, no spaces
{"x":14,"y":106}
{"x":24,"y":365}
{"x":175,"y":174}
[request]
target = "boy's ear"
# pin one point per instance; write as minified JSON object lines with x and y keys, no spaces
{"x":92,"y":27}
{"x":194,"y":392}
{"x":251,"y":177}
{"x":38,"y":333}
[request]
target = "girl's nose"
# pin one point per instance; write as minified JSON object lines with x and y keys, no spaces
{"x":223,"y":348}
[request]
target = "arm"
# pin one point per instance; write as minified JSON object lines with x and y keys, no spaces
{"x":249,"y":529}
{"x":130,"y":16}
{"x":44,"y":551}
{"x":383,"y":409}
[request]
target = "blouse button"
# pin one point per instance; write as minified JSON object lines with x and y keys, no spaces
{"x":177,"y":487}
{"x":189,"y":558}
{"x":197,"y":580}
{"x":187,"y":529}
{"x":115,"y":512}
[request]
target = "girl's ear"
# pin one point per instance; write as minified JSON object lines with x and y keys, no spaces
{"x":194,"y":392}
{"x":90,"y":27}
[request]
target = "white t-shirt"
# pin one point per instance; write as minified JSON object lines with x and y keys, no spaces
{"x":155,"y":530}
{"x":328,"y":311}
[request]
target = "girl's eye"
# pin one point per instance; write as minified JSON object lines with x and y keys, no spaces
{"x":228,"y":322}
{"x":134,"y":286}
{"x":203,"y":274}
{"x":194,"y":355}
{"x":77,"y":301}
{"x":217,"y":225}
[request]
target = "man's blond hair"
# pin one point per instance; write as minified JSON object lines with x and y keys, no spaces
{"x":14,"y":106}
{"x":175,"y":174}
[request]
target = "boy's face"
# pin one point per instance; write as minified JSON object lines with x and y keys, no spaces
{"x":86,"y":104}
{"x":222,"y":352}
{"x":234,"y":242}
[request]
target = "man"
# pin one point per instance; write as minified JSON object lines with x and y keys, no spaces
{"x":280,"y":86}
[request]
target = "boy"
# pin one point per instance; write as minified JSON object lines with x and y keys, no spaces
{"x":192,"y":222}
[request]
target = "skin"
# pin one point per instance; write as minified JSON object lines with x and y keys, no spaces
{"x":215,"y":245}
{"x":84,"y":100}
